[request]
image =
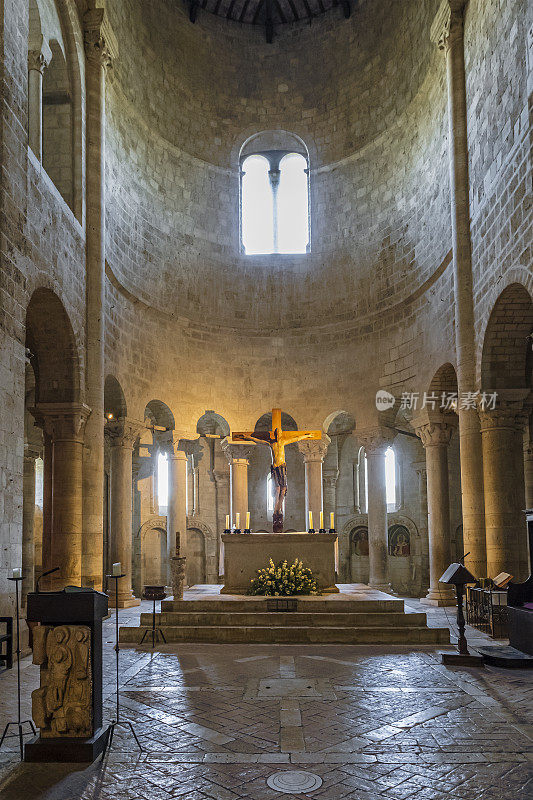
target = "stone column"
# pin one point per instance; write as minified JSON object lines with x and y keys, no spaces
{"x":528,"y":460}
{"x":123,"y":434}
{"x":100,"y":46}
{"x":448,"y":32}
{"x":46,"y":560}
{"x":331,"y":476}
{"x":423,"y":565}
{"x":28,"y":515}
{"x":38,"y":60}
{"x":223,"y":505}
{"x":503,"y":509}
{"x":238,"y":456}
{"x":376,"y":443}
{"x":177,"y":499}
{"x":435,"y":434}
{"x":65,"y":423}
{"x":314,"y":451}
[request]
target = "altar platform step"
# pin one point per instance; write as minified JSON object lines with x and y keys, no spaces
{"x":282,"y":619}
{"x":274,"y":634}
{"x":356,"y":615}
{"x":333,"y":603}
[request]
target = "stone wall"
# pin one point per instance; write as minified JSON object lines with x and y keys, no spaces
{"x":189,"y":319}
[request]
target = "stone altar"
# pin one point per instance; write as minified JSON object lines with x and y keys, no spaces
{"x":244,"y":554}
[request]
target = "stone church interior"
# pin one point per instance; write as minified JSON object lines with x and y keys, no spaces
{"x":266,"y":439}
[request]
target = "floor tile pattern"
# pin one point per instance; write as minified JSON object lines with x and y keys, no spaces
{"x":216,"y":721}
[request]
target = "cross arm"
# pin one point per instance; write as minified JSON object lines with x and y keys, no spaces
{"x":296,"y":436}
{"x":255,"y":436}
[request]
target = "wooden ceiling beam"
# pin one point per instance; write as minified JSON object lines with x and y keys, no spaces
{"x":257,"y":12}
{"x":293,"y":10}
{"x":244,"y":10}
{"x":229,"y":12}
{"x":282,"y":16}
{"x":269,"y":24}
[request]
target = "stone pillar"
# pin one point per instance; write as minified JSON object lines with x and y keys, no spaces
{"x":503,"y":509}
{"x":238,"y":456}
{"x":99,"y":48}
{"x":314,"y":452}
{"x":177,"y":501}
{"x":64,"y":423}
{"x":331,"y":476}
{"x":423,"y":565}
{"x":123,"y":434}
{"x":448,"y":32}
{"x":528,"y":473}
{"x":376,"y":443}
{"x":28,"y":515}
{"x":46,"y":560}
{"x":435,"y":434}
{"x":38,"y":60}
{"x":223,"y":505}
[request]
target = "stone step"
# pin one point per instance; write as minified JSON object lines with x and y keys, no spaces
{"x":294,"y":635}
{"x":313,"y":619}
{"x":251,"y":604}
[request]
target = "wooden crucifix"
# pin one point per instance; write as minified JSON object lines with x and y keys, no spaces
{"x":277,"y":439}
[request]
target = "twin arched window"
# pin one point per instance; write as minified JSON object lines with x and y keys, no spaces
{"x":275,"y":203}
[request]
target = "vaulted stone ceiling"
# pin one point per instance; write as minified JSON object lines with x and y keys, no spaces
{"x":268,"y":13}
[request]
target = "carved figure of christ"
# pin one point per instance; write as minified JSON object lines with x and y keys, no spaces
{"x":277,"y":439}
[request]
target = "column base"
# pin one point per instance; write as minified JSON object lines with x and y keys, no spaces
{"x":439,"y":599}
{"x":123,"y":602}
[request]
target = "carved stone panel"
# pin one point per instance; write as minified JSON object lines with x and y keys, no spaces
{"x":62,"y":705}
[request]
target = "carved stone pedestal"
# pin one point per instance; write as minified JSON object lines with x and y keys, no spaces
{"x":177,"y":576}
{"x":67,"y":645}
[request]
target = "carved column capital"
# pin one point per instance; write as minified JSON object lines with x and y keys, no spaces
{"x":434,"y":429}
{"x":101,"y":46}
{"x":123,"y":432}
{"x":508,"y":415}
{"x":221,"y":477}
{"x":39,"y":58}
{"x":237,"y":452}
{"x":331,"y":476}
{"x":31,"y":451}
{"x":376,"y":441}
{"x":314,"y":449}
{"x":448,"y":24}
{"x":62,"y":421}
{"x":420,"y":468}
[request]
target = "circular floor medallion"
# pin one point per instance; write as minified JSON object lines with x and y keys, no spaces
{"x":294,"y":782}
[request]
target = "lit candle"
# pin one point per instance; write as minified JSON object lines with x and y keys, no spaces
{"x":237,"y":520}
{"x":116,"y":568}
{"x":17,"y":573}
{"x":310,"y":520}
{"x":227,"y":522}
{"x":247,"y":520}
{"x":332,"y":520}
{"x":321,"y":520}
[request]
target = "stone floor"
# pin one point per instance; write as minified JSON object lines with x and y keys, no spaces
{"x":373,"y":723}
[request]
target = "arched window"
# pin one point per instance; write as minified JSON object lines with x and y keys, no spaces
{"x":270,"y":488}
{"x":275,"y":203}
{"x":162,"y":482}
{"x":39,"y":482}
{"x":390,"y":480}
{"x":270,"y":495}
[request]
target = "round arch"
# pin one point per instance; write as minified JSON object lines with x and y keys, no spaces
{"x":114,"y":400}
{"x":507,"y":340}
{"x":52,"y":349}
